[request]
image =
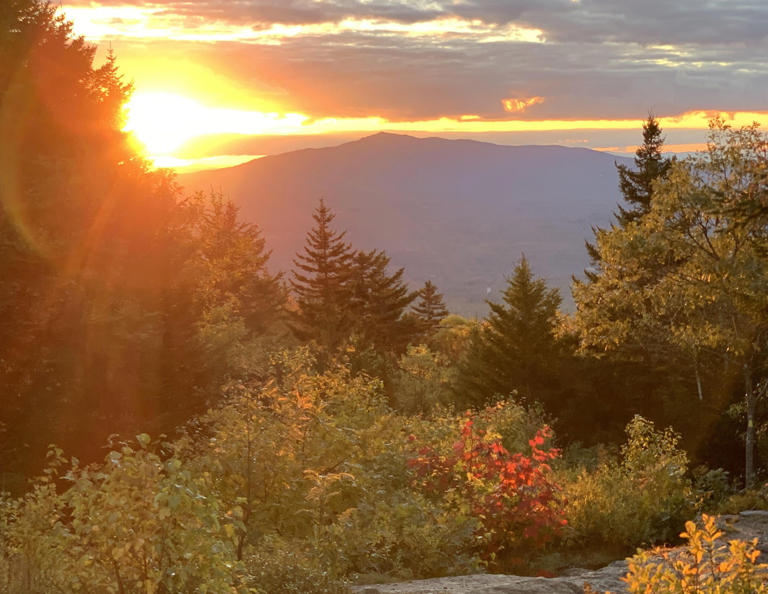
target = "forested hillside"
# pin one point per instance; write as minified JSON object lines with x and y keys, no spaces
{"x":178,"y":414}
{"x":456,"y":212}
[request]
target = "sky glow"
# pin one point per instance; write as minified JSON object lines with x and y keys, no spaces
{"x":523,"y":71}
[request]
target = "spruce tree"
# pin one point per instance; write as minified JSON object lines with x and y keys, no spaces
{"x":232,"y":267}
{"x":636,"y":185}
{"x":378,"y":300}
{"x":516,"y":348}
{"x":320,"y":283}
{"x":430,"y":308}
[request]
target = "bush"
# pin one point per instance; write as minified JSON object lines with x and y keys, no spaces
{"x":320,"y":460}
{"x":712,"y":487}
{"x":512,"y":496}
{"x":402,"y":536}
{"x":751,"y":499}
{"x":422,"y":380}
{"x":136,"y":523}
{"x":277,"y":567}
{"x":641,"y":498}
{"x":703,"y":567}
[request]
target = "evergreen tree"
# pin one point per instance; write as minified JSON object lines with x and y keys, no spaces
{"x":377,"y":302}
{"x":320,"y":283}
{"x":430,"y":308}
{"x":636,"y":185}
{"x":99,"y":296}
{"x":232,"y":267}
{"x":516,"y":348}
{"x":692,"y":284}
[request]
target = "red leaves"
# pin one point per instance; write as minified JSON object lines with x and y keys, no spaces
{"x":512,"y":495}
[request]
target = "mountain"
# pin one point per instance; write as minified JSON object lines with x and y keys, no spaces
{"x":457,"y":212}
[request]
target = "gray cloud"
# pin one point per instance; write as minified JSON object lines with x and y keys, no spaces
{"x":601,"y":58}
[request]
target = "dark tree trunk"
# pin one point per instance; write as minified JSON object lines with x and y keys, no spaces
{"x":749,"y":438}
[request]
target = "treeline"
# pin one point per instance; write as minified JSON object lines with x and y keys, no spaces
{"x":225,"y":427}
{"x":128,"y":305}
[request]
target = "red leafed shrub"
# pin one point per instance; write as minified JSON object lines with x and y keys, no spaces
{"x":512,"y":496}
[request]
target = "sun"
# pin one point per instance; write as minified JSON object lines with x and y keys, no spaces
{"x":163,"y":122}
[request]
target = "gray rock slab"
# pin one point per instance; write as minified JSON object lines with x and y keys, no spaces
{"x":607,"y":578}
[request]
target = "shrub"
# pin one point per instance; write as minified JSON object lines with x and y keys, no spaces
{"x":512,"y":496}
{"x":277,"y":567}
{"x":641,"y":498}
{"x":422,"y":380}
{"x":702,"y":567}
{"x":136,"y":523}
{"x":400,"y":535}
{"x":751,"y":499}
{"x":712,"y":487}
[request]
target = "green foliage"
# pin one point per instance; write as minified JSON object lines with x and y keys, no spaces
{"x":403,"y":536}
{"x":452,"y":336}
{"x":712,"y":487}
{"x":640,"y":498}
{"x":688,"y":282}
{"x":232,"y":265}
{"x":319,"y":282}
{"x":137,"y":523}
{"x":277,"y":567}
{"x":747,"y":499}
{"x":514,"y":351}
{"x":705,"y":566}
{"x":636,"y":185}
{"x":347,"y":296}
{"x":320,"y":461}
{"x":377,"y":302}
{"x":423,"y":380}
{"x":430,"y":309}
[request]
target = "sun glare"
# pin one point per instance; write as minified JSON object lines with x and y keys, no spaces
{"x":164,"y":122}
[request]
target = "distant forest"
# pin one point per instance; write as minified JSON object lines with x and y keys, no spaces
{"x":144,"y":322}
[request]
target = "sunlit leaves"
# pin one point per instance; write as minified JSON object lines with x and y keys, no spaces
{"x":706,"y":565}
{"x":513,"y":496}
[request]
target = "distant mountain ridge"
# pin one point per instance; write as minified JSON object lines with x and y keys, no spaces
{"x":457,"y":212}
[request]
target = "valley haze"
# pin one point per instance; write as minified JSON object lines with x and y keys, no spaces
{"x":457,"y":212}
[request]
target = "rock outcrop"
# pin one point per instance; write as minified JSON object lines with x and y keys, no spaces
{"x":743,"y":526}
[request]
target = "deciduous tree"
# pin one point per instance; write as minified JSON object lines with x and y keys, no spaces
{"x":689,"y":277}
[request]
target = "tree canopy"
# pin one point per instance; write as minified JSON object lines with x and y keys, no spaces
{"x":691,"y":276}
{"x":513,"y":351}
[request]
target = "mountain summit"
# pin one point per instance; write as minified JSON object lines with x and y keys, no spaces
{"x":456,"y":212}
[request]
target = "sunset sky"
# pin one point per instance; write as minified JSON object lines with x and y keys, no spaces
{"x":218,"y":82}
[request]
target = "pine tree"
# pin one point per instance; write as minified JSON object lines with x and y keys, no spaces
{"x":430,"y":308}
{"x":232,"y":267}
{"x":516,"y":347}
{"x":93,"y":249}
{"x":636,"y":185}
{"x":377,"y":302}
{"x":321,"y":283}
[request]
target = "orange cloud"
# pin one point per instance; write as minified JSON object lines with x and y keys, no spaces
{"x":520,"y":104}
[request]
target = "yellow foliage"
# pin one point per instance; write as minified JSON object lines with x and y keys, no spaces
{"x":704,"y":566}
